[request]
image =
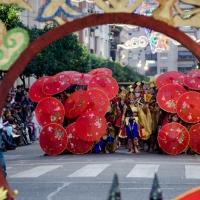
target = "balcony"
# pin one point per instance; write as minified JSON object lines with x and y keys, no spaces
{"x":186,"y":56}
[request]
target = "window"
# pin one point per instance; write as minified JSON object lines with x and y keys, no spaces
{"x":152,"y":71}
{"x":185,"y":55}
{"x":185,"y":68}
{"x":150,"y":56}
{"x":163,"y":55}
{"x":163,"y":69}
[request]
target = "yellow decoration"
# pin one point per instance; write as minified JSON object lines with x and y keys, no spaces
{"x":130,"y":86}
{"x":131,"y":90}
{"x":3,"y":194}
{"x":147,"y":98}
{"x":19,"y":2}
{"x":152,"y":85}
{"x":138,"y":83}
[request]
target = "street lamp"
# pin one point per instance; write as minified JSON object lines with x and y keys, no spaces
{"x":139,"y":64}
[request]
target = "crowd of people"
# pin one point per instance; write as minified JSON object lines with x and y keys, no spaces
{"x":20,"y":127}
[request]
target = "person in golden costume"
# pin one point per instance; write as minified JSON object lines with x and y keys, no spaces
{"x":141,"y":114}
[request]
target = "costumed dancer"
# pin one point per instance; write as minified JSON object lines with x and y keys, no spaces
{"x":132,"y":135}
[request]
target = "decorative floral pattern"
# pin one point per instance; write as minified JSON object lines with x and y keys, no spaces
{"x":192,"y":79}
{"x":53,"y":139}
{"x":49,"y":110}
{"x":75,"y":144}
{"x":173,"y":138}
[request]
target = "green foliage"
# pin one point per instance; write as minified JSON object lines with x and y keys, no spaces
{"x":9,"y":15}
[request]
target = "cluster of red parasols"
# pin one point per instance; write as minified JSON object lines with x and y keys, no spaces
{"x":180,"y":94}
{"x":84,"y":109}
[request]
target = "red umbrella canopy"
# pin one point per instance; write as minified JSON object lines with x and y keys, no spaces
{"x":106,"y":83}
{"x":56,"y":84}
{"x":173,"y":138}
{"x":53,"y":139}
{"x":35,"y":93}
{"x":188,"y":107}
{"x":76,"y":103}
{"x":101,"y":71}
{"x":69,"y":72}
{"x":81,"y":79}
{"x":173,"y":77}
{"x":98,"y":101}
{"x":168,"y":95}
{"x":192,"y":79}
{"x":195,"y":138}
{"x":193,"y":194}
{"x":91,"y":126}
{"x":49,"y":110}
{"x":75,"y":144}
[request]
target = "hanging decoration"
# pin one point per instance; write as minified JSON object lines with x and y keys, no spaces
{"x":12,"y":44}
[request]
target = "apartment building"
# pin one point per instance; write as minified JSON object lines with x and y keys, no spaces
{"x":151,"y":60}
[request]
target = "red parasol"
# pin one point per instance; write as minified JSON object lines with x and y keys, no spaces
{"x":168,"y":95}
{"x":80,"y":79}
{"x":76,"y":103}
{"x":172,"y":77}
{"x":173,"y":138}
{"x":98,"y":101}
{"x":56,"y":84}
{"x":195,"y":138}
{"x":192,"y":79}
{"x":188,"y":107}
{"x":35,"y":93}
{"x":49,"y":110}
{"x":106,"y":83}
{"x":69,"y":72}
{"x":53,"y":139}
{"x":75,"y":144}
{"x":101,"y":71}
{"x":193,"y":194}
{"x":91,"y":126}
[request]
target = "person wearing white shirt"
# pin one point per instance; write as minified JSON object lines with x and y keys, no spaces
{"x":2,"y":160}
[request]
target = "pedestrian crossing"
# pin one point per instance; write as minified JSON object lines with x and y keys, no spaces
{"x":95,"y":170}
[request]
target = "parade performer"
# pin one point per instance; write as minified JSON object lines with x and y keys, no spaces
{"x":132,"y":133}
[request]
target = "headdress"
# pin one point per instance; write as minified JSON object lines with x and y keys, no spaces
{"x":147,"y":98}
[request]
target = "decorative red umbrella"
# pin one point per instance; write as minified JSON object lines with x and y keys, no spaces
{"x":101,"y":71}
{"x":53,"y":139}
{"x":76,"y":103}
{"x":91,"y":126}
{"x":98,"y":101}
{"x":192,"y":79}
{"x":75,"y":144}
{"x":49,"y":110}
{"x":188,"y":107}
{"x":56,"y":84}
{"x":173,"y":77}
{"x":35,"y":93}
{"x":195,"y":138}
{"x":168,"y":95}
{"x":69,"y":72}
{"x":81,"y":79}
{"x":173,"y":138}
{"x":106,"y":83}
{"x":193,"y":194}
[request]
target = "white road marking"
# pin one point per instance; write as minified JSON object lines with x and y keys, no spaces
{"x":50,"y":196}
{"x":143,"y":171}
{"x":36,"y":172}
{"x":89,"y":170}
{"x":8,"y":168}
{"x":192,"y":171}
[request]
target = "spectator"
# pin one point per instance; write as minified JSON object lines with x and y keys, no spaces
{"x":18,"y":97}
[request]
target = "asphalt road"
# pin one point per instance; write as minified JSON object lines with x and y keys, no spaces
{"x":89,"y":176}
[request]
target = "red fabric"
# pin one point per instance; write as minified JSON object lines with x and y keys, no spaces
{"x":35,"y":93}
{"x":91,"y":126}
{"x":168,"y":95}
{"x":192,"y":79}
{"x":172,"y":77}
{"x":106,"y":83}
{"x":75,"y":144}
{"x":188,"y":107}
{"x":49,"y":110}
{"x":101,"y":71}
{"x":76,"y":103}
{"x":81,"y":79}
{"x":173,"y":138}
{"x":53,"y":139}
{"x":195,"y":138}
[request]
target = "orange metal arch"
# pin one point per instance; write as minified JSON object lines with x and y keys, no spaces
{"x":92,"y":20}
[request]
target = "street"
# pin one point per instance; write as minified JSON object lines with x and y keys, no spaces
{"x":89,"y":176}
